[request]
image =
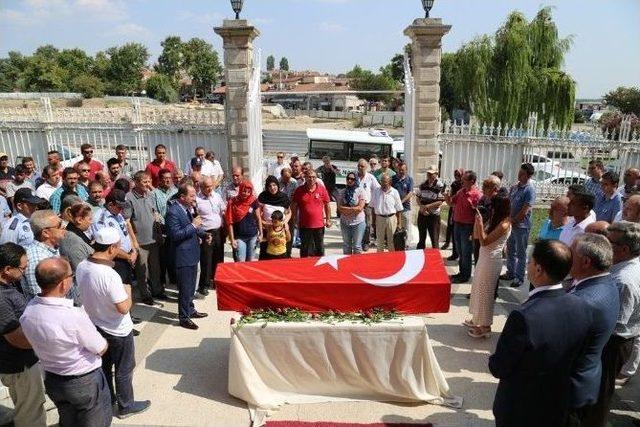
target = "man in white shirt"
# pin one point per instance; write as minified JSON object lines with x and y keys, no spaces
{"x":387,"y":206}
{"x":210,"y":208}
{"x":579,"y":208}
{"x":367,"y":182}
{"x":69,"y":348}
{"x":209,"y":168}
{"x":107,"y":301}
{"x":52,"y":183}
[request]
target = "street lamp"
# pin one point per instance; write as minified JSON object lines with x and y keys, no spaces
{"x":426,"y":5}
{"x":237,"y":7}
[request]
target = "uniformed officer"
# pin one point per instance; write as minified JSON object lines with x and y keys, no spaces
{"x":17,"y":229}
{"x":111,"y":216}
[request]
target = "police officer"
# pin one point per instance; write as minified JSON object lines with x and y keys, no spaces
{"x":111,"y":216}
{"x":17,"y":229}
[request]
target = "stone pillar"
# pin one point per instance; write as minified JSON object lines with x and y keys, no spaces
{"x":237,"y":36}
{"x":426,"y":51}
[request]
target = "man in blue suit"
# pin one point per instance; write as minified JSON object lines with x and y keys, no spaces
{"x":592,"y":258}
{"x":183,"y":229}
{"x":539,"y":345}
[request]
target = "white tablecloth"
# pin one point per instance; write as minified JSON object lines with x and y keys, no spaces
{"x":318,"y":362}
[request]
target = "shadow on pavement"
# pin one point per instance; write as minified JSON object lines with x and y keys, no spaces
{"x":443,"y":419}
{"x":204,"y":369}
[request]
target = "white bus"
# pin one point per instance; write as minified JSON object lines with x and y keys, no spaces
{"x":346,"y":147}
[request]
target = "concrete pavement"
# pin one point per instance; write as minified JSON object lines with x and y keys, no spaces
{"x":184,"y":373}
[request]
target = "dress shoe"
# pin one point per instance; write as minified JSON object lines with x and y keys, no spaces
{"x":506,"y":276}
{"x":148,"y":301}
{"x":136,"y":407}
{"x":452,"y":258}
{"x":515,"y":284}
{"x":459,"y":279}
{"x":188,"y":324}
{"x":198,"y":315}
{"x":136,"y":320}
{"x":135,"y":332}
{"x":444,"y":247}
{"x":161,"y":297}
{"x":365,"y":248}
{"x":203,"y":291}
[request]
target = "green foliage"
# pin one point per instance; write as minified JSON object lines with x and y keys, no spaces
{"x":368,"y":80}
{"x":610,"y":124}
{"x":88,"y":85}
{"x":503,"y":78}
{"x":201,"y":64}
{"x":170,"y":61}
{"x":626,"y":99}
{"x":161,"y":88}
{"x":11,"y":70}
{"x":271,"y":63}
{"x":284,"y":64}
{"x":76,"y":63}
{"x":124,"y":72}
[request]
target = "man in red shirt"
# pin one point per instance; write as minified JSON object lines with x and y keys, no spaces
{"x":87,"y":157}
{"x":310,"y":205}
{"x":160,"y":162}
{"x":464,"y":203}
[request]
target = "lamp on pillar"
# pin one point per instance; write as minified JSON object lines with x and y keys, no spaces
{"x":237,"y":7}
{"x":426,"y":5}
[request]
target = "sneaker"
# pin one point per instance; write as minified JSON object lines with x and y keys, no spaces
{"x":136,"y":407}
{"x":506,"y":276}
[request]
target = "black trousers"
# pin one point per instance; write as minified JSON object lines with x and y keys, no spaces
{"x":428,"y":224}
{"x":118,"y":364}
{"x":614,"y":355}
{"x":82,"y":400}
{"x":166,"y":263}
{"x":312,"y":242}
{"x":210,"y":255}
{"x":449,"y":236}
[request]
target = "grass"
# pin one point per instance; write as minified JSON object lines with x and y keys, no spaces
{"x":539,"y":215}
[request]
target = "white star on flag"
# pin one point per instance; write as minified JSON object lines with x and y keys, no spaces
{"x":332,"y":260}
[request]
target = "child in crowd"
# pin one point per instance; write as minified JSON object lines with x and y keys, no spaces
{"x":277,"y":237}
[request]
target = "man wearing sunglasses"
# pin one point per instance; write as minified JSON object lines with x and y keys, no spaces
{"x":19,"y":368}
{"x":87,"y":157}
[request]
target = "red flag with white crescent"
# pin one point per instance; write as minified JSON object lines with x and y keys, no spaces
{"x":413,"y":281}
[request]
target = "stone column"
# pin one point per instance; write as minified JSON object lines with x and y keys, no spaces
{"x":237,"y":36}
{"x":426,"y":51}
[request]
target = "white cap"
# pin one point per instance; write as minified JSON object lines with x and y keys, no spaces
{"x":107,"y":236}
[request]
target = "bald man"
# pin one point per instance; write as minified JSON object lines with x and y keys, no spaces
{"x":558,"y":217}
{"x":631,"y":209}
{"x":598,"y":227}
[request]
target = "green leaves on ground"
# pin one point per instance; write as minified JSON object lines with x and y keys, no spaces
{"x":375,"y":315}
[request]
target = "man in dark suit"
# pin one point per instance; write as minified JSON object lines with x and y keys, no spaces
{"x":539,"y":345}
{"x":592,"y":258}
{"x":184,"y":232}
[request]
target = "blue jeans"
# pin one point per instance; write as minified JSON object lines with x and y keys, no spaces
{"x":246,"y":248}
{"x":81,"y":401}
{"x":517,"y":253}
{"x":352,"y":237}
{"x":118,"y":364}
{"x":186,"y":281}
{"x":464,"y":245}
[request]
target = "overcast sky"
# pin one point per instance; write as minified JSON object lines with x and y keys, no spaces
{"x":330,"y":35}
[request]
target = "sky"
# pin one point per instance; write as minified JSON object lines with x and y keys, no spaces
{"x":331,"y":35}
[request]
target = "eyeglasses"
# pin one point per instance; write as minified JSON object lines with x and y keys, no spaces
{"x":281,"y":157}
{"x":85,"y":170}
{"x":87,"y":152}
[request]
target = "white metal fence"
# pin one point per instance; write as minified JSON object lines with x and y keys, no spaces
{"x":560,"y":158}
{"x":33,"y":132}
{"x":369,"y":118}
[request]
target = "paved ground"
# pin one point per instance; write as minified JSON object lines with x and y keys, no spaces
{"x":184,"y":373}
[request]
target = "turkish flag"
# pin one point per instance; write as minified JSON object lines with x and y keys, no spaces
{"x":407,"y":281}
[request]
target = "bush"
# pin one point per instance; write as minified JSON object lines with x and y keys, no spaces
{"x":610,"y":124}
{"x":160,"y":87}
{"x":90,"y":86}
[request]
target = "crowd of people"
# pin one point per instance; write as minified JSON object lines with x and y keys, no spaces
{"x":80,"y":244}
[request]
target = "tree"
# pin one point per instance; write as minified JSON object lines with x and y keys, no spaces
{"x":201,"y":64}
{"x":517,"y":71}
{"x":271,"y":63}
{"x":360,"y":79}
{"x":88,"y":85}
{"x":284,"y":64}
{"x":160,"y":87}
{"x":11,"y":72}
{"x":626,"y":99}
{"x":124,"y":72}
{"x":75,"y":62}
{"x":170,"y":61}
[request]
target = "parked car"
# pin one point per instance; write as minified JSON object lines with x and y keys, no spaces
{"x":541,"y":163}
{"x":566,"y":159}
{"x":553,"y":184}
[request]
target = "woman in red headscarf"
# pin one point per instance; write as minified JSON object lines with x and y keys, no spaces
{"x":243,"y":222}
